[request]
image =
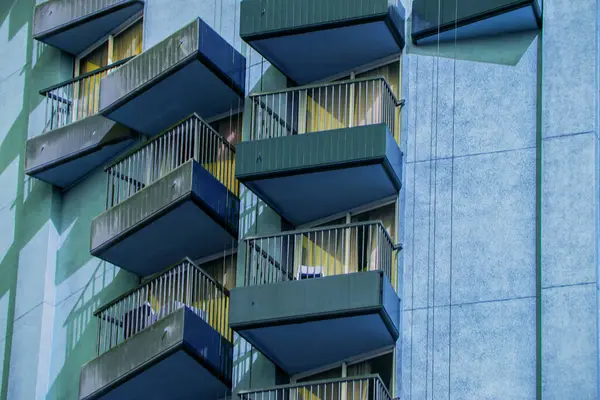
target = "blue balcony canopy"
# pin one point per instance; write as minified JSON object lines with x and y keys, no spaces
{"x":188,"y":212}
{"x":179,"y":357}
{"x":171,"y":197}
{"x":472,"y":19}
{"x":302,"y":325}
{"x":309,"y":40}
{"x":192,"y":71}
{"x":316,"y":175}
{"x":75,"y":25}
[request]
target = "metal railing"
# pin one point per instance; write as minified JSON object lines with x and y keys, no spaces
{"x":76,"y":98}
{"x":315,"y":108}
{"x":369,"y":387}
{"x":319,"y":252}
{"x":182,"y":285}
{"x":190,"y":139}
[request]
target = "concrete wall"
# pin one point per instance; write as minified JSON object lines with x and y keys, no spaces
{"x":49,"y":284}
{"x":477,"y":125}
{"x":570,"y":199}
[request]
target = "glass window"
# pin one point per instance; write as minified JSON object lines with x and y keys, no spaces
{"x":222,"y":270}
{"x":230,"y":128}
{"x":98,"y":58}
{"x":385,"y":214}
{"x":86,"y":91}
{"x":128,"y":43}
{"x":381,"y":366}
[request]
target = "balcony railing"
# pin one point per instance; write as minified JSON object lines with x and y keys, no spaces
{"x":192,"y":139}
{"x":76,"y":98}
{"x":323,"y":107}
{"x":368,"y":387}
{"x":182,"y":285}
{"x":319,"y":252}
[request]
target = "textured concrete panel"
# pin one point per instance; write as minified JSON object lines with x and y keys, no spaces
{"x":487,"y":107}
{"x":493,"y":351}
{"x":568,"y":227}
{"x":495,"y":105}
{"x":164,"y":17}
{"x":426,"y":354}
{"x":406,"y":367}
{"x":420,"y":104}
{"x":569,"y":343}
{"x":569,"y":66}
{"x":419,"y":343}
{"x":427,"y":231}
{"x":494,"y":227}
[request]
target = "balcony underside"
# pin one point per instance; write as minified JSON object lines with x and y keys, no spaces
{"x":192,"y":88}
{"x":179,"y":357}
{"x":187,"y":213}
{"x":64,"y":156}
{"x":55,"y":25}
{"x":317,"y":175}
{"x":322,"y":41}
{"x":312,"y":323}
{"x":483,"y":19}
{"x":204,"y":75}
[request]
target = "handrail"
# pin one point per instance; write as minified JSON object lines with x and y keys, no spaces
{"x":319,"y":229}
{"x":324,"y":382}
{"x":322,"y":107}
{"x":138,"y":147}
{"x":325,"y":84}
{"x":183,"y":285}
{"x":153,"y":278}
{"x":189,"y":139}
{"x":319,"y":252}
{"x":76,"y":98}
{"x":43,"y":92}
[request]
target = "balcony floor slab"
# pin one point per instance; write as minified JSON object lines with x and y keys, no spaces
{"x":309,"y":324}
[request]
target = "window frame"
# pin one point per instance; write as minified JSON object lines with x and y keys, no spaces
{"x":110,"y":39}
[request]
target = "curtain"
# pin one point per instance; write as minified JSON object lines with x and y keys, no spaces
{"x":128,"y":43}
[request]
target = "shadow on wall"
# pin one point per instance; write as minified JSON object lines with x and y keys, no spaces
{"x":29,"y":209}
{"x":83,"y":284}
{"x":506,"y":49}
{"x":20,"y":217}
{"x":80,"y":205}
{"x":75,"y":328}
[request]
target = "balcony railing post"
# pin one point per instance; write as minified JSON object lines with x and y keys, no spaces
{"x":190,"y":139}
{"x":167,"y":292}
{"x":310,"y":253}
{"x":76,"y":98}
{"x":313,"y":108}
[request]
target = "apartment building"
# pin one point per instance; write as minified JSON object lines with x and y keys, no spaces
{"x":299,"y":199}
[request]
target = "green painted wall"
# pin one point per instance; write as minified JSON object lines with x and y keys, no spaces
{"x":49,"y":284}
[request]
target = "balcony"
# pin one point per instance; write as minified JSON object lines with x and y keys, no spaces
{"x":369,"y":387}
{"x":172,"y":197}
{"x":75,"y":25}
{"x":310,"y":40}
{"x":166,"y":339}
{"x":472,"y":19}
{"x":317,"y":297}
{"x":76,"y":140}
{"x":192,"y":71}
{"x":317,"y":151}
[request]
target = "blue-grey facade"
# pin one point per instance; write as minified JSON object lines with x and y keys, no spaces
{"x":482,"y":217}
